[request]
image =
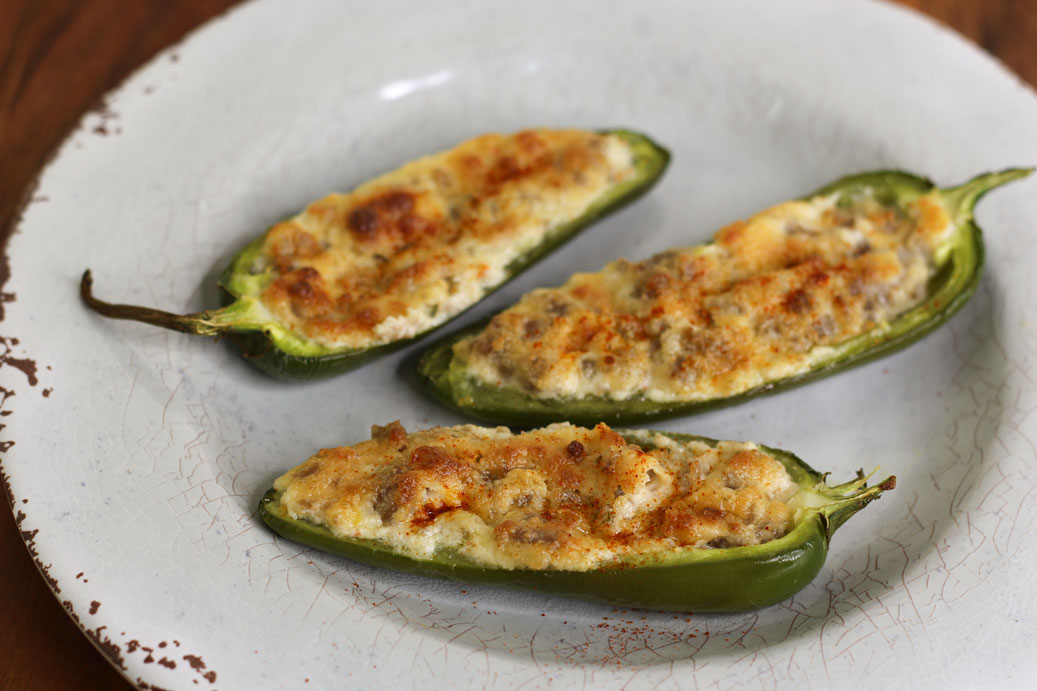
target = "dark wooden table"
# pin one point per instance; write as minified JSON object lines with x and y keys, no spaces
{"x":57,"y":58}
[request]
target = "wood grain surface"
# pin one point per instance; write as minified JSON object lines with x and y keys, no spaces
{"x":57,"y":59}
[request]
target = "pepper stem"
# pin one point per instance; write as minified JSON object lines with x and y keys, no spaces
{"x":856,"y":496}
{"x":205,"y":323}
{"x":963,"y":198}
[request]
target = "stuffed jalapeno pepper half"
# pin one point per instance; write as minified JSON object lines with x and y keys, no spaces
{"x":804,"y":289}
{"x":354,"y":275}
{"x":634,"y":518}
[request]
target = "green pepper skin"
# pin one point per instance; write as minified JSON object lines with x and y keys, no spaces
{"x":289,"y":356}
{"x":731,"y":579}
{"x":956,"y":281}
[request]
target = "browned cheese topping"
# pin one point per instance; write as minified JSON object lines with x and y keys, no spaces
{"x":562,"y":497}
{"x":409,"y":250}
{"x":766,"y":299}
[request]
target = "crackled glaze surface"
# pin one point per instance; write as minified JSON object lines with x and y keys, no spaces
{"x":143,"y":453}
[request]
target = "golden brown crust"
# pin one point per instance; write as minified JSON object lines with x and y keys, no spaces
{"x":757,"y":304}
{"x":561,"y":497}
{"x":410,"y":249}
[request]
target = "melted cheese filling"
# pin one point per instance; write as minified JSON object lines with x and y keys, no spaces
{"x":411,"y":249}
{"x":768,"y":298}
{"x":562,"y":497}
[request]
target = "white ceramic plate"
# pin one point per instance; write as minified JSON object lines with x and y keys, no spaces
{"x":140,"y":454}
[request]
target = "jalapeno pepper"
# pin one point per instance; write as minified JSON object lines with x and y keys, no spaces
{"x":709,"y":579}
{"x":958,"y":265}
{"x":287,"y":352}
